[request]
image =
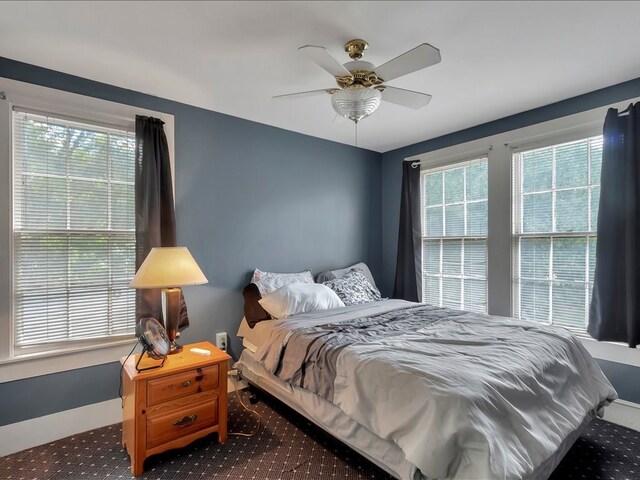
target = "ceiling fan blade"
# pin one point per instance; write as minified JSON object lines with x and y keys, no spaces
{"x":322,"y":57}
{"x":309,"y":93}
{"x":406,"y":98}
{"x":422,"y":56}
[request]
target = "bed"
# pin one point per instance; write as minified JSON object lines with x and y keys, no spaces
{"x":429,"y":393}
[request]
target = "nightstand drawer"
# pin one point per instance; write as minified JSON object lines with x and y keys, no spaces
{"x":164,"y":428}
{"x":182,"y":384}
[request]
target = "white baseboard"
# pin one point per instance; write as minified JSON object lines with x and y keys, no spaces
{"x":19,"y":436}
{"x":37,"y":431}
{"x":622,"y":412}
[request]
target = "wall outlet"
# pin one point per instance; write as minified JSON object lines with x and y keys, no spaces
{"x":221,"y":341}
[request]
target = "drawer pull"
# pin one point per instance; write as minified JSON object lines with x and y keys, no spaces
{"x":186,"y":383}
{"x":186,"y":421}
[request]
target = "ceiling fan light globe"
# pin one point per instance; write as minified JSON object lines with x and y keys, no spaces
{"x":356,"y":102}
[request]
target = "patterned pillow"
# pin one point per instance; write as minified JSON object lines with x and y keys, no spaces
{"x":268,"y":282}
{"x":354,"y":288}
{"x":333,"y":274}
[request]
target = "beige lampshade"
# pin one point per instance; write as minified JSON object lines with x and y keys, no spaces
{"x":167,"y":267}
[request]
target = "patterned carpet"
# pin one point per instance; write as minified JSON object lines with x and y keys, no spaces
{"x":287,"y":447}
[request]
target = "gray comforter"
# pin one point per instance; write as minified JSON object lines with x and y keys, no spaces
{"x":463,"y":395}
{"x":308,"y":359}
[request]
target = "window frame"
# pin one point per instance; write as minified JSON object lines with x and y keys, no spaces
{"x":25,"y":96}
{"x":424,"y":171}
{"x":500,"y":148}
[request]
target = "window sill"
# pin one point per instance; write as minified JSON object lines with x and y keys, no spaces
{"x":612,"y":352}
{"x":45,"y":363}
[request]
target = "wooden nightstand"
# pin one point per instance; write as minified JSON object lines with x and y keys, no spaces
{"x":172,"y":406}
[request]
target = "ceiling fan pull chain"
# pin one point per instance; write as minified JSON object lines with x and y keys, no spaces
{"x":356,"y":123}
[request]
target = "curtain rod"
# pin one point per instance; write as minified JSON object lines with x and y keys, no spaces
{"x":625,"y":112}
{"x":621,"y":113}
{"x":478,"y":153}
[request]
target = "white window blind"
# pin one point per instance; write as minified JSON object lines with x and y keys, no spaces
{"x":454,"y":236}
{"x":73,"y":231}
{"x":557,"y":192}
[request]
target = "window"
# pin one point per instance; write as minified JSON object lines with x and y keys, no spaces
{"x":556,"y":195}
{"x":543,"y":197}
{"x":454,"y":236}
{"x":73,"y":232}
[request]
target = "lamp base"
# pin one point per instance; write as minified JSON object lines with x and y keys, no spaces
{"x":174,"y":347}
{"x":171,"y":313}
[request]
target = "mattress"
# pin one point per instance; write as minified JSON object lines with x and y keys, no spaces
{"x":330,"y":418}
{"x":426,"y":434}
{"x":252,"y":338}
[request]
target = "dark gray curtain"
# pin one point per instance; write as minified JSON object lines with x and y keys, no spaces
{"x":408,"y":285}
{"x":614,"y":313}
{"x":155,"y":214}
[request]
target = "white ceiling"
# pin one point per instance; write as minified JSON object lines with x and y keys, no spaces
{"x":498,"y":58}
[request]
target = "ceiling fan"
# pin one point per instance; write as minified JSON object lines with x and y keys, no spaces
{"x":362,"y":85}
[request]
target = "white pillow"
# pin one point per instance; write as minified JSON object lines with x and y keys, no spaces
{"x":268,"y":282}
{"x":295,"y":298}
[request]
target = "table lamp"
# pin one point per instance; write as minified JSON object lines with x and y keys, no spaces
{"x":169,"y":268}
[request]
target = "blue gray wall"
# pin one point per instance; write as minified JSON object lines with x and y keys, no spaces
{"x":620,"y":375}
{"x":247,"y":195}
{"x":624,"y":378}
